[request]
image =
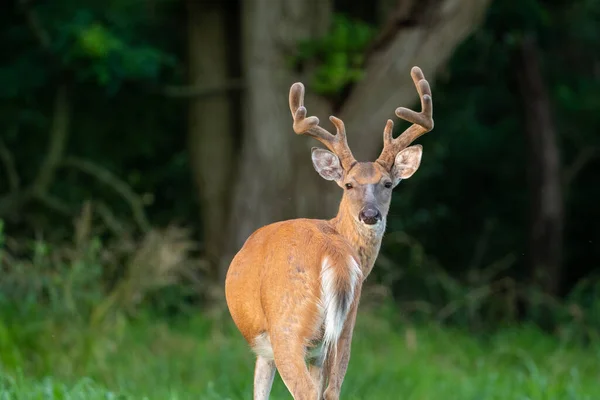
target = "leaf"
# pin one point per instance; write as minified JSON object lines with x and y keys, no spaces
{"x":97,"y":42}
{"x":338,"y":55}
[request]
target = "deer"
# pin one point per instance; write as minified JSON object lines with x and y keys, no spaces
{"x":294,"y":287}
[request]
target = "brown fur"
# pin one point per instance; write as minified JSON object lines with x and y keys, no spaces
{"x":273,"y":283}
{"x":290,"y":272}
{"x":276,"y":283}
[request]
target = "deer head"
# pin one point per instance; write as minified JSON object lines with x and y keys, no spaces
{"x":367,"y":185}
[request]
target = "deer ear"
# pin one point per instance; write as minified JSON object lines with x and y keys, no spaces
{"x":327,"y":164}
{"x":406,"y":163}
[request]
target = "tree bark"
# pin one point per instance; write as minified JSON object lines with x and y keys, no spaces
{"x":210,"y":121}
{"x":422,"y":33}
{"x":276,"y":178}
{"x":544,"y":173}
{"x":273,"y":182}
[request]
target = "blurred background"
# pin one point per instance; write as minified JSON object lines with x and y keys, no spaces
{"x":142,"y":142}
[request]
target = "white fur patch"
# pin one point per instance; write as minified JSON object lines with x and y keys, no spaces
{"x":355,"y":275}
{"x":336,"y":303}
{"x":262,"y":346}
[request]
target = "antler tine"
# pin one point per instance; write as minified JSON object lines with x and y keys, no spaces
{"x":422,"y":122}
{"x":309,"y":126}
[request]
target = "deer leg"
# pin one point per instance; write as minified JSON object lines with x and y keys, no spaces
{"x":318,"y":376}
{"x":264,"y":372}
{"x":336,"y":364}
{"x":291,"y":365}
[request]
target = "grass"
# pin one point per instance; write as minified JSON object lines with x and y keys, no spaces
{"x":79,"y":345}
{"x":205,"y":358}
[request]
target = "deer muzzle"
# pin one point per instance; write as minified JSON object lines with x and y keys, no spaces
{"x":369,"y":215}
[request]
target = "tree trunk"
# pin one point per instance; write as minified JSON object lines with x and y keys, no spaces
{"x":276,"y":178}
{"x":210,"y":121}
{"x":422,"y":33}
{"x":546,"y":213}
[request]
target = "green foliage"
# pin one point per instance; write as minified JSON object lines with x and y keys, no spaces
{"x":483,"y":299}
{"x":466,"y":211}
{"x":338,"y":56}
{"x":102,"y":55}
{"x":80,"y":294}
{"x":456,"y":248}
{"x":114,"y":55}
{"x":99,"y":43}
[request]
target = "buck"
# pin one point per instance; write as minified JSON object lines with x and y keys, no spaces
{"x":293,"y":288}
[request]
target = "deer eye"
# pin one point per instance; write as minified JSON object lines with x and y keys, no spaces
{"x":388,"y":184}
{"x":349,"y":186}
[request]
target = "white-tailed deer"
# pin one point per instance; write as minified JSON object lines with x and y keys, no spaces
{"x":294,"y":287}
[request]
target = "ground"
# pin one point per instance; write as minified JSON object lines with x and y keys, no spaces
{"x":205,"y":358}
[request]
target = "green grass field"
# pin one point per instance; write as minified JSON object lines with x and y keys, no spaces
{"x":207,"y":359}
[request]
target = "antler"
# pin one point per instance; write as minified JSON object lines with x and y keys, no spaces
{"x":310,"y":126}
{"x":421,"y":122}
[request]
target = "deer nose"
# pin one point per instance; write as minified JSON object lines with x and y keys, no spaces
{"x":369,"y":215}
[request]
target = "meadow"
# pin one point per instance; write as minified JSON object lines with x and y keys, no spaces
{"x":203,"y":357}
{"x":70,"y":330}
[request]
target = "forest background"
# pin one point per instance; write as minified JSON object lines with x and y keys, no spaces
{"x":142,"y":141}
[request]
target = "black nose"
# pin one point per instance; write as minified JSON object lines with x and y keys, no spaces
{"x":369,"y":215}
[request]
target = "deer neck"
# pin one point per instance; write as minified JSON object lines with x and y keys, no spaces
{"x":365,"y":240}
